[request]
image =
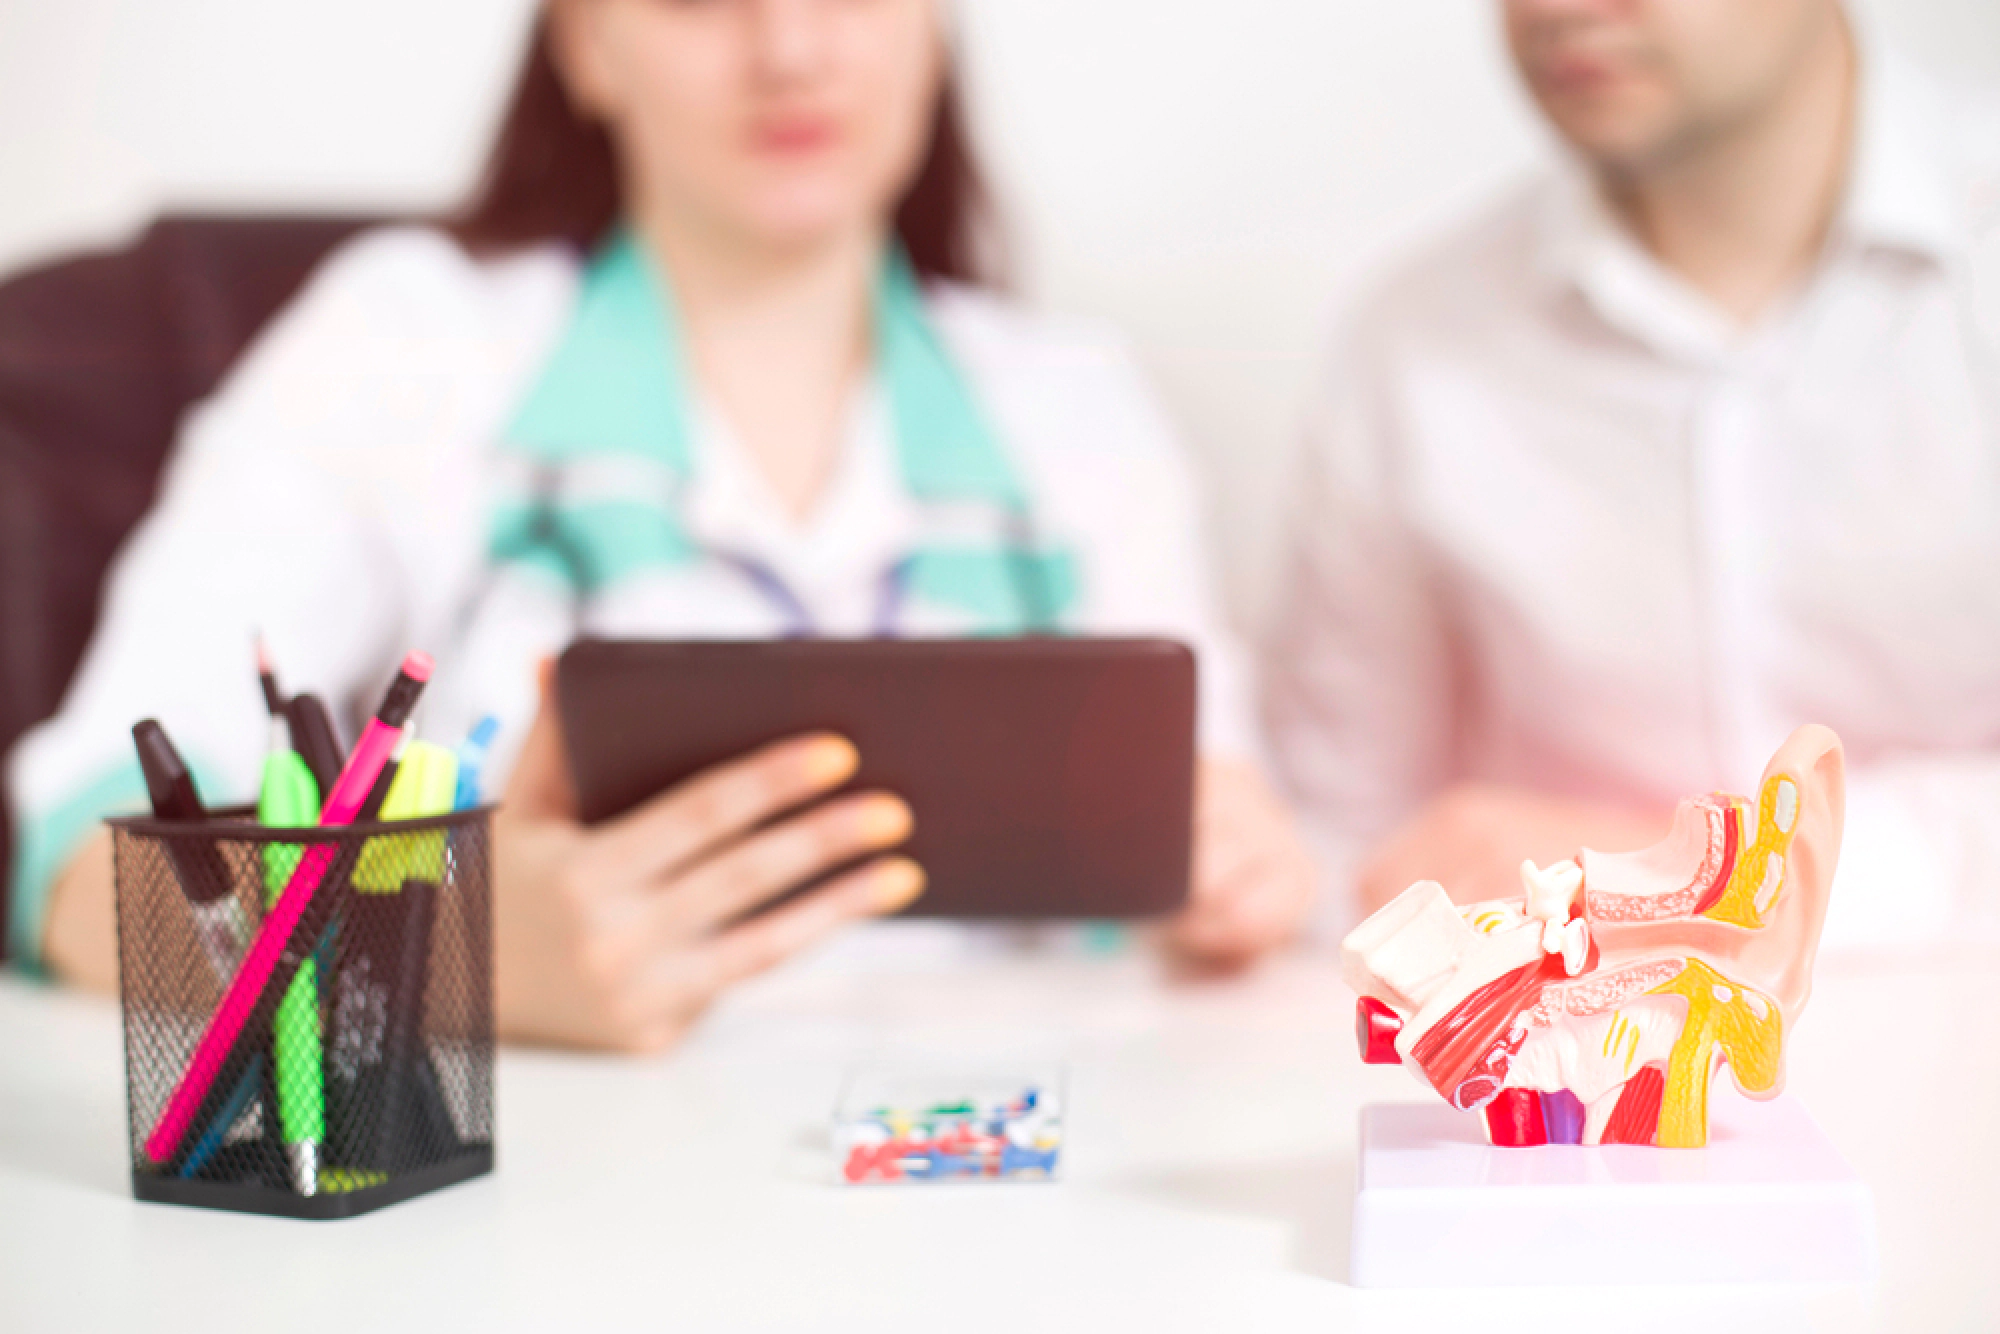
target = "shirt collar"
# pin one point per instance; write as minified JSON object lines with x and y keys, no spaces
{"x":1899,"y":196}
{"x":1900,"y":193}
{"x":1583,"y":247}
{"x":617,"y":383}
{"x":862,"y":523}
{"x":615,"y":401}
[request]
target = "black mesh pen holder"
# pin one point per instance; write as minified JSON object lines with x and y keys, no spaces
{"x":363,"y":1074}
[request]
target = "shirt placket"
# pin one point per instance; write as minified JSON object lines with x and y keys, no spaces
{"x":1733,"y":530}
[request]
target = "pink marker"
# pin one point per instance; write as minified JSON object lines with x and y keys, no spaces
{"x":350,"y":790}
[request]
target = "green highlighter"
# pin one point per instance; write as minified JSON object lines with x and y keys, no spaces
{"x":289,"y":799}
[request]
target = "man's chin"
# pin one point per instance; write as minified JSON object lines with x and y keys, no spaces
{"x":1615,"y":133}
{"x":1623,"y":154}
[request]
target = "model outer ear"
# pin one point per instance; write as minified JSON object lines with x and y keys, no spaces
{"x":1783,"y":953}
{"x":1775,"y":958}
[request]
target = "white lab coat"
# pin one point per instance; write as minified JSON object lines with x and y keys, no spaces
{"x":336,"y":494}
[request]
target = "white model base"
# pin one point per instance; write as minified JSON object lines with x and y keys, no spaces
{"x":1769,"y":1200}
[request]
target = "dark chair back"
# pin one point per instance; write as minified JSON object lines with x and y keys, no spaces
{"x":100,"y":357}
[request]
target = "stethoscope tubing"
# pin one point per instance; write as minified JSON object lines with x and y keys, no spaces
{"x":1032,"y":597}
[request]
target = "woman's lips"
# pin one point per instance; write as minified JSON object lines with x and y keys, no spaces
{"x":795,"y":136}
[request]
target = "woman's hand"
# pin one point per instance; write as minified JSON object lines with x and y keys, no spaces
{"x":619,"y":935}
{"x":1472,"y":839}
{"x":80,"y":932}
{"x":1253,"y":879}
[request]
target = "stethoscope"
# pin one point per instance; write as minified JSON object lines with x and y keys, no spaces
{"x":1027,"y":579}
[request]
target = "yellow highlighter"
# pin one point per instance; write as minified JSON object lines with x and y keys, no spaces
{"x":426,"y":782}
{"x":383,"y":1100}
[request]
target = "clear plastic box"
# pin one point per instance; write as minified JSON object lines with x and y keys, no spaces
{"x":903,"y":1124}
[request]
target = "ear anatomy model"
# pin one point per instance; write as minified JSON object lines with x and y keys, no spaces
{"x":1597,"y":1007}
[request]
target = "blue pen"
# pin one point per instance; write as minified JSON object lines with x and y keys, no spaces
{"x":218,"y":1129}
{"x":472,"y":759}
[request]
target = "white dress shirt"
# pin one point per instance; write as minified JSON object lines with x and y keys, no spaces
{"x":1563,"y":524}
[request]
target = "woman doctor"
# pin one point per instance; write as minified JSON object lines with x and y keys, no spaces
{"x":701,"y":360}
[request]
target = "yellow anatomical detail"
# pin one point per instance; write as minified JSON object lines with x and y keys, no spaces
{"x":1759,"y":874}
{"x":1745,"y":1024}
{"x":1621,"y":1040}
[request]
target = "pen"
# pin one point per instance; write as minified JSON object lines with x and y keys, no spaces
{"x":472,"y":762}
{"x":314,"y":738}
{"x":218,"y":1129}
{"x":220,"y":922}
{"x":247,"y":988}
{"x":289,"y":799}
{"x":274,"y":702}
{"x":378,"y":792}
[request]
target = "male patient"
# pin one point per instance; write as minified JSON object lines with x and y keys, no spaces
{"x":1693,"y":439}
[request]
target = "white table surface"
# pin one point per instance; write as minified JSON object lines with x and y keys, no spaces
{"x":1208,"y":1170}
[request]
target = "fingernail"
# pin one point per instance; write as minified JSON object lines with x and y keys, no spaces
{"x":829,"y":760}
{"x":895,"y":884}
{"x":882,"y":821}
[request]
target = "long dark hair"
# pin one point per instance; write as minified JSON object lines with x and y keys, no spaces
{"x":553,"y":176}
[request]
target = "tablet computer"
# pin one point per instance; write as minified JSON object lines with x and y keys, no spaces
{"x":1049,"y":777}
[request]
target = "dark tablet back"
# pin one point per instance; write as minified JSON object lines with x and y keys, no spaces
{"x":1050,"y":777}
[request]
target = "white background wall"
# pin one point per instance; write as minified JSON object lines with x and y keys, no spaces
{"x":1209,"y":176}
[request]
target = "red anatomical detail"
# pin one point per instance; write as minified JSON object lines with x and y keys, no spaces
{"x":1456,"y":1044}
{"x":1732,"y":839}
{"x":1483,"y":1081}
{"x":1514,"y":1119}
{"x":1636,"y":1118}
{"x":1375,"y":1030}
